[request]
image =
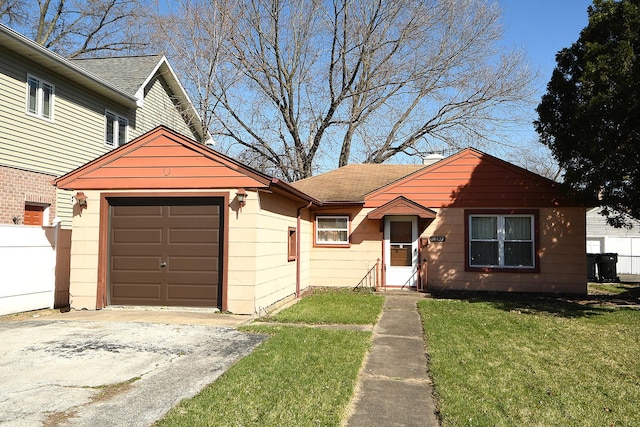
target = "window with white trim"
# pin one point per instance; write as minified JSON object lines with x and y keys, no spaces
{"x":115,"y":129}
{"x":332,"y":230}
{"x":40,"y":97}
{"x":504,"y":241}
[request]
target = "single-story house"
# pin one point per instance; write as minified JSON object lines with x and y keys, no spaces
{"x":164,"y":220}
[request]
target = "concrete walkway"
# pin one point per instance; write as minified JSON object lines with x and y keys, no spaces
{"x":394,"y":388}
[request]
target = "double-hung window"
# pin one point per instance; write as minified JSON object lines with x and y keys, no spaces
{"x":40,"y":97}
{"x":115,"y":129}
{"x":501,"y":240}
{"x":332,"y":230}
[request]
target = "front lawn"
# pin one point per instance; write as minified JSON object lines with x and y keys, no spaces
{"x":300,"y":376}
{"x":536,"y":362}
{"x":334,"y":306}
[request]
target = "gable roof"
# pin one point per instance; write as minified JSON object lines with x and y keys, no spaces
{"x":401,"y":206}
{"x":469,"y":178}
{"x":132,"y":74}
{"x":165,"y":159}
{"x":128,"y":73}
{"x":472,"y":178}
{"x":351,"y":183}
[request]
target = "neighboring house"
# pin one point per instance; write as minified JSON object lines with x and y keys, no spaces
{"x":56,"y":115}
{"x":604,"y":238}
{"x":172,"y":222}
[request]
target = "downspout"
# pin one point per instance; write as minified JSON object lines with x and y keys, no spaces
{"x":298,"y":244}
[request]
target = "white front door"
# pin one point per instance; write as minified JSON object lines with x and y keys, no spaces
{"x":401,"y":250}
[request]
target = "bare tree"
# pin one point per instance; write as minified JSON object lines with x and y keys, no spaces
{"x":194,"y":33}
{"x":12,"y":11}
{"x":536,"y":158}
{"x":76,"y":28}
{"x":298,"y":84}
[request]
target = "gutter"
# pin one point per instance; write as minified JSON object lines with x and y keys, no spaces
{"x":18,"y":43}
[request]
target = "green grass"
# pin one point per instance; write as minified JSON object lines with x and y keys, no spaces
{"x":334,"y":306}
{"x":540,"y":362}
{"x":300,"y":376}
{"x":613,"y":289}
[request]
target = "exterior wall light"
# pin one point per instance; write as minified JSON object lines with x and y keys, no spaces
{"x":81,"y":199}
{"x":241,"y":195}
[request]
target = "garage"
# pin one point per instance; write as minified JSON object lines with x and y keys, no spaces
{"x":165,"y":221}
{"x":165,"y":251}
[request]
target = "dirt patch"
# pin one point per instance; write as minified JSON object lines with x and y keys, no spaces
{"x":106,"y":392}
{"x":29,"y":315}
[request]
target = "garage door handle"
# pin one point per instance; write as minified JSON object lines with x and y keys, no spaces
{"x":163,"y":264}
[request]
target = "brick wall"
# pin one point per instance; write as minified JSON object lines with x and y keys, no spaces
{"x":18,"y":187}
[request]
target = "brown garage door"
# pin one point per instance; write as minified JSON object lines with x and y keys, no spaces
{"x":165,"y":251}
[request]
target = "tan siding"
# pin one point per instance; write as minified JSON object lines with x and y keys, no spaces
{"x":337,"y":266}
{"x":306,"y":247}
{"x":83,"y":275}
{"x":562,"y":256}
{"x":259,"y":271}
{"x":159,"y":109}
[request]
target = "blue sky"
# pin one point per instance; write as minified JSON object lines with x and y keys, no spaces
{"x":542,"y":28}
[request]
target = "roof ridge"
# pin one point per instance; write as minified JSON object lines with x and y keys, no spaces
{"x":118,"y":57}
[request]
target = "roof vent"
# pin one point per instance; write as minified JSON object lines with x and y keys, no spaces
{"x":431,"y":158}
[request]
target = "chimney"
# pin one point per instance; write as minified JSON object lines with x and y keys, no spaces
{"x":431,"y":158}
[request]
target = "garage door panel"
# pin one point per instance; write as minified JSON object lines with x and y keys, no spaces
{"x":196,"y":250}
{"x":123,"y":235}
{"x":137,"y":290}
{"x":181,"y":232}
{"x":193,"y":211}
{"x":197,"y":278}
{"x":139,"y":277}
{"x":137,"y":211}
{"x":192,"y":235}
{"x":185,"y":291}
{"x":135,"y":263}
{"x":195,"y":264}
{"x":137,"y":249}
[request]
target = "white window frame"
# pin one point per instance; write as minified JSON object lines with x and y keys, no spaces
{"x":346,"y":242}
{"x":501,"y":240}
{"x":37,"y":110}
{"x":117,"y":122}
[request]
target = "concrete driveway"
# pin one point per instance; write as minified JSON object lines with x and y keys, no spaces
{"x":88,"y":373}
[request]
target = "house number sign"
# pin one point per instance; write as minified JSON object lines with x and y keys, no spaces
{"x":437,"y":239}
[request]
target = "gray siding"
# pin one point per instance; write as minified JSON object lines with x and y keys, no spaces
{"x":597,"y":227}
{"x":74,"y":137}
{"x":160,"y":109}
{"x":76,"y":134}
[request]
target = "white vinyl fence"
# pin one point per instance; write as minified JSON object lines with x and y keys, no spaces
{"x":627,"y":248}
{"x":27,"y":267}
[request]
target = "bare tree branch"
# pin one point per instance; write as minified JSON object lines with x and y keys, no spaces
{"x":308,"y":83}
{"x":77,"y":28}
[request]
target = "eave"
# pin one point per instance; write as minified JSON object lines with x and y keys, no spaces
{"x":58,"y":64}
